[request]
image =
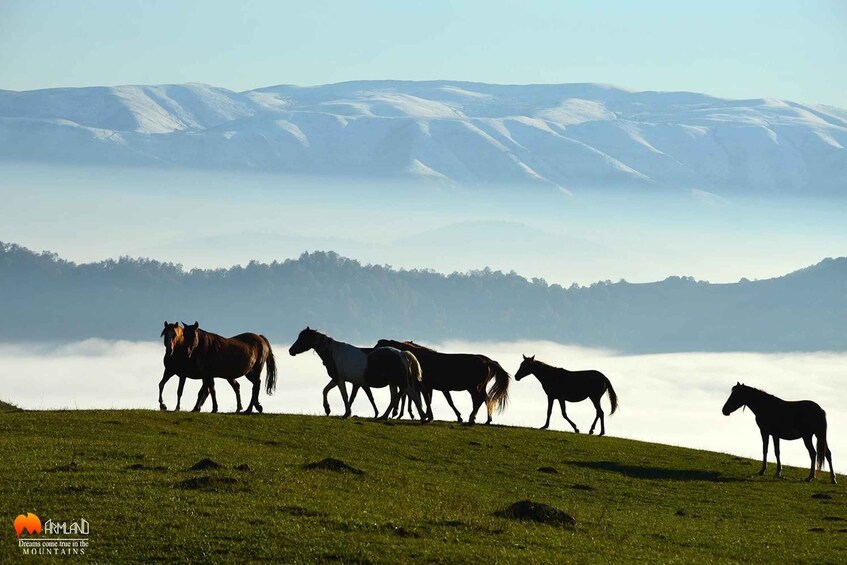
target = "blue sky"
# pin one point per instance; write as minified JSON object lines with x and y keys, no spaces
{"x":793,"y":50}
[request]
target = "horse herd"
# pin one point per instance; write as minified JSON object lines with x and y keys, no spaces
{"x":413,"y":372}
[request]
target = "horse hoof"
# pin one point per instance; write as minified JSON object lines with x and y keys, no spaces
{"x":576,"y":431}
{"x":810,"y":479}
{"x":259,"y":408}
{"x":591,"y":432}
{"x":833,"y":481}
{"x":162,"y":406}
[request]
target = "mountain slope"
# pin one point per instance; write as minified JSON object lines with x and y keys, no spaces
{"x":426,"y":493}
{"x":570,"y":135}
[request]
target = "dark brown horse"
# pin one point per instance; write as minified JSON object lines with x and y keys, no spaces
{"x":177,"y":363}
{"x":458,"y":371}
{"x":782,"y":419}
{"x":571,"y":386}
{"x":217,"y":356}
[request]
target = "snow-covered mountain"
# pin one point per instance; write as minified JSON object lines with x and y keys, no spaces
{"x":569,"y":135}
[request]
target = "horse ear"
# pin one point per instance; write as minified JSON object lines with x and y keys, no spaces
{"x":308,"y":328}
{"x":532,"y":358}
{"x":524,"y":357}
{"x":166,"y":323}
{"x":196,"y":325}
{"x":737,"y":383}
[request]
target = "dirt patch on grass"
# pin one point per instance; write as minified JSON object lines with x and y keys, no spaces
{"x":243,"y":467}
{"x":537,"y":512}
{"x":205,"y":464}
{"x":548,"y":470}
{"x":822,"y":496}
{"x":582,"y":487}
{"x":336,"y":465}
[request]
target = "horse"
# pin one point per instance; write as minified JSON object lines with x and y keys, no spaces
{"x":571,"y":386}
{"x":243,"y":354}
{"x":177,"y":363}
{"x":458,"y":371}
{"x":782,"y":419}
{"x":377,"y":368}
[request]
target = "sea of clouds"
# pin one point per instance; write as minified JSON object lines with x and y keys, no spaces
{"x":668,"y":398}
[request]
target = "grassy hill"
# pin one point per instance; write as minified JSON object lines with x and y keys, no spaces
{"x":426,"y":493}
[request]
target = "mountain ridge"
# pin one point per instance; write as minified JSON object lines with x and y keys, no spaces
{"x":570,"y":136}
{"x":53,"y":299}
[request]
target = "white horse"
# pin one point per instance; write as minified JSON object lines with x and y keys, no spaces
{"x":377,"y":368}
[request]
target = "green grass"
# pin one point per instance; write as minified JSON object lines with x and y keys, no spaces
{"x":428,"y":493}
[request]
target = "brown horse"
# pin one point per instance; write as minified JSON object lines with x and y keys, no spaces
{"x":458,"y":371}
{"x":177,"y":363}
{"x":571,"y":386}
{"x":782,"y":419}
{"x":217,"y":356}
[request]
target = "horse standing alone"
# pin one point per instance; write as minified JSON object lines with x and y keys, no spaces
{"x":572,"y":386}
{"x":782,"y":419}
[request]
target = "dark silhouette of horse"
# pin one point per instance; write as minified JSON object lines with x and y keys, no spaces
{"x":177,"y":363}
{"x":571,"y":386}
{"x":782,"y":419}
{"x":458,"y":371}
{"x":217,"y":356}
{"x":377,"y":368}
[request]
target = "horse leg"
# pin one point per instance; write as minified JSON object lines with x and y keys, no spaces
{"x":210,"y":384}
{"x":395,"y":397}
{"x":599,"y":416}
{"x":450,"y":402}
{"x":565,"y":416}
{"x":414,"y":395}
{"x":353,"y":393}
{"x":202,"y":395}
{"x":343,"y":388}
{"x":179,"y":390}
{"x":237,"y":389}
{"x":478,"y":398}
{"x":765,"y":439}
{"x":370,"y":395}
{"x":256,"y":379}
{"x":428,"y":399}
{"x":549,"y":412}
{"x":402,"y":407}
{"x":810,"y":447}
{"x":776,"y":451}
{"x":166,"y":376}
{"x":831,"y":472}
{"x":327,"y":388}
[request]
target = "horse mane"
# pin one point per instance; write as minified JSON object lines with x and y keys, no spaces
{"x":760,"y":391}
{"x":545,"y":365}
{"x":210,"y":341}
{"x":411,"y":343}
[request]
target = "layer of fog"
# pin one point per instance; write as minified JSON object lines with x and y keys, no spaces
{"x":672,"y":398}
{"x":218,"y":220}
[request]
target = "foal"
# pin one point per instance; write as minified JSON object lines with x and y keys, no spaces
{"x":571,"y":386}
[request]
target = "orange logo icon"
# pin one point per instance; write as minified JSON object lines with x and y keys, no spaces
{"x":31,"y":523}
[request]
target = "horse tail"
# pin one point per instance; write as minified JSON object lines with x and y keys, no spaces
{"x":822,"y":447}
{"x":270,"y":374}
{"x":414,"y":368}
{"x":613,"y":396}
{"x":499,"y":393}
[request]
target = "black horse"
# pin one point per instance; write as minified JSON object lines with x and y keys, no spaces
{"x":782,"y":419}
{"x":458,"y":371}
{"x":571,"y":386}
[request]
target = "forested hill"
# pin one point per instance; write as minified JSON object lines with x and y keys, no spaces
{"x":43,"y":297}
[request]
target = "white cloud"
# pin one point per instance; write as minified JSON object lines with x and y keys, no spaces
{"x":669,"y":398}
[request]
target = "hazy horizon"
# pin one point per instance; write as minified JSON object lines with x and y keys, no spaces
{"x":213,"y":220}
{"x":667,"y":398}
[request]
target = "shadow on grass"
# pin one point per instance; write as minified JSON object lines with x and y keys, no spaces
{"x":661,"y":473}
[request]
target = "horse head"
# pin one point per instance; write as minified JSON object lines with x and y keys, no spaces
{"x":305,"y":341}
{"x":172,"y":336}
{"x":736,"y":400}
{"x":525,"y":368}
{"x":191,"y":337}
